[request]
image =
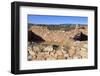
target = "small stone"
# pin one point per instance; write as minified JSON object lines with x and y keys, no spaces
{"x":52,"y":53}
{"x":85,"y":46}
{"x":31,"y":52}
{"x":70,"y":58}
{"x":29,"y":49}
{"x":66,"y":55}
{"x":59,"y":52}
{"x":34,"y":57}
{"x":65,"y":48}
{"x":29,"y":57}
{"x":72,"y":51}
{"x":77,"y":42}
{"x":55,"y":55}
{"x":46,"y":54}
{"x":75,"y":57}
{"x":79,"y":57}
{"x":40,"y":56}
{"x":48,"y":48}
{"x":36,"y":48}
{"x":60,"y":57}
{"x":83,"y":49}
{"x":64,"y":52}
{"x":84,"y":54}
{"x":51,"y":58}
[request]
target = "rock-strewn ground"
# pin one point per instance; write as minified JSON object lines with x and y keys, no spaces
{"x":44,"y":51}
{"x":57,"y":45}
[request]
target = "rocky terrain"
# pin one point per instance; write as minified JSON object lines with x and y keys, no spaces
{"x":57,"y":44}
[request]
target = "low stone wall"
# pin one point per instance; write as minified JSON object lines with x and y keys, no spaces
{"x":57,"y":35}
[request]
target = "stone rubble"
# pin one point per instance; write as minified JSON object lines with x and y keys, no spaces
{"x":58,"y":45}
{"x":49,"y":52}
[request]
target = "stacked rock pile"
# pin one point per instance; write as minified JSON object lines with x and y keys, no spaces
{"x":47,"y":52}
{"x":40,"y":51}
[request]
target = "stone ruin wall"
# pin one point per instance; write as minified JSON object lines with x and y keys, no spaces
{"x":55,"y":36}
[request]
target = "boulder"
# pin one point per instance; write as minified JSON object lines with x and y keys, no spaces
{"x":36,"y":49}
{"x":48,"y":48}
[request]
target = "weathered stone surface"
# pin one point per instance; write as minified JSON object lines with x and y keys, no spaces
{"x":30,"y":57}
{"x":59,"y":52}
{"x":60,"y":57}
{"x":31,"y":52}
{"x":29,"y":49}
{"x":66,"y":55}
{"x":77,"y":57}
{"x":40,"y":56}
{"x":72,"y":51}
{"x":64,"y":52}
{"x":56,"y":45}
{"x":85,"y":46}
{"x":83,"y":49}
{"x":34,"y":57}
{"x":84,"y":53}
{"x":47,"y":52}
{"x":51,"y":58}
{"x":55,"y":55}
{"x":36,"y":49}
{"x":48,"y":48}
{"x":52,"y":53}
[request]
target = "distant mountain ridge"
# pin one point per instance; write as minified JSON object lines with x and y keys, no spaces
{"x":58,"y":24}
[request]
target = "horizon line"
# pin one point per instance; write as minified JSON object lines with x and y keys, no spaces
{"x":58,"y":24}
